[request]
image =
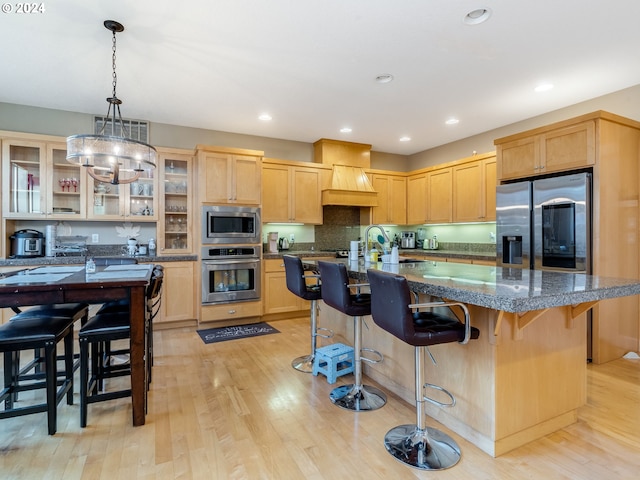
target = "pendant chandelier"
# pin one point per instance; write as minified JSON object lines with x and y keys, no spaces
{"x":110,"y":158}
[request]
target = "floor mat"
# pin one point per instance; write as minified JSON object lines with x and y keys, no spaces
{"x":220,"y":334}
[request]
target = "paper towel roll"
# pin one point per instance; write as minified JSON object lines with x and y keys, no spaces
{"x":50,"y":233}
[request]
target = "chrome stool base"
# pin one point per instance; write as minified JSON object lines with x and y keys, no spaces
{"x":303,"y":364}
{"x":428,"y":449}
{"x":359,"y":398}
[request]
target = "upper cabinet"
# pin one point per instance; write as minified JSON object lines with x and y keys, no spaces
{"x":465,"y":191}
{"x":38,"y":182}
{"x":540,"y":152}
{"x":291,"y":192}
{"x":474,"y":190}
{"x":440,"y":196}
{"x":135,"y":201}
{"x":430,"y":197}
{"x":175,"y":229}
{"x":392,"y":199}
{"x":417,"y":199}
{"x":228,"y":175}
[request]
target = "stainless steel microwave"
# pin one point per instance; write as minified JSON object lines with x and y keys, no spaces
{"x":230,"y":225}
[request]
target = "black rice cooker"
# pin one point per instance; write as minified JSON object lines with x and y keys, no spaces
{"x":27,"y":244}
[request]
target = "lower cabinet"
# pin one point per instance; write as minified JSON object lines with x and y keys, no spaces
{"x":231,"y":313}
{"x":179,"y":295}
{"x":277,"y":298}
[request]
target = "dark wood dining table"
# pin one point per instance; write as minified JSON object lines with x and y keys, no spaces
{"x":108,"y":283}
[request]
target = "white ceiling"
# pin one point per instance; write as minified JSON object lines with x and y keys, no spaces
{"x":311,"y":64}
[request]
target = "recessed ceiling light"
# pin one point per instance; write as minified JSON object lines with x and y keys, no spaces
{"x":452,"y":121}
{"x":384,"y":78}
{"x":405,"y":139}
{"x":477,"y":16}
{"x":544,"y":87}
{"x":345,"y":130}
{"x":265,"y":117}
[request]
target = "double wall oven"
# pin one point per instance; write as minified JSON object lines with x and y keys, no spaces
{"x":231,"y":246}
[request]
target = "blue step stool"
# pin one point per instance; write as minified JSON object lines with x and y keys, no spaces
{"x":333,"y":361}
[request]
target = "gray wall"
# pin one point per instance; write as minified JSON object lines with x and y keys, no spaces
{"x":22,"y":118}
{"x":624,"y":102}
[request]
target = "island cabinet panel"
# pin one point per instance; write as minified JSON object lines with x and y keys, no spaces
{"x":291,"y":193}
{"x":227,"y":175}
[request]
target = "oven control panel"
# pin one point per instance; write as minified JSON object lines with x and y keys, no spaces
{"x":219,"y":253}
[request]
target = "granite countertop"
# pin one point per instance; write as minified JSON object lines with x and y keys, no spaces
{"x":80,"y":259}
{"x":507,"y":289}
{"x":415,"y":253}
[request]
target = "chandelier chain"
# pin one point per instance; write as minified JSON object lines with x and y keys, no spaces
{"x":113,"y":64}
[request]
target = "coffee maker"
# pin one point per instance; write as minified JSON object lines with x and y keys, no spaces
{"x":272,"y":242}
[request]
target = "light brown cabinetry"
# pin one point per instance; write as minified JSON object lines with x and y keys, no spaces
{"x":291,"y":193}
{"x":474,"y":191}
{"x":175,"y":228}
{"x":229,"y":175}
{"x":179,"y":294}
{"x":417,"y":198}
{"x":392,"y":199}
{"x":430,"y":197}
{"x":562,"y":149}
{"x":608,"y":144}
{"x":440,"y":196}
{"x":277,"y":298}
{"x":39,"y":183}
{"x":131,"y":202}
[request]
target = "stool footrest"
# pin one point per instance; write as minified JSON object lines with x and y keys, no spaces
{"x":323,"y":335}
{"x":440,"y":389}
{"x":372,"y":360}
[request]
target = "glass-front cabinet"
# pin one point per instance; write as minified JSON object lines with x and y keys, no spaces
{"x":175,"y":228}
{"x":39,"y":182}
{"x":135,"y":201}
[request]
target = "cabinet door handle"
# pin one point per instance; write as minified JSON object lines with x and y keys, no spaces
{"x":231,"y":312}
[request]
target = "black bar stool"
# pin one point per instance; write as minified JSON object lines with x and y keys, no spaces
{"x":37,"y":333}
{"x":296,"y":283}
{"x":417,"y":445}
{"x":337,"y":294}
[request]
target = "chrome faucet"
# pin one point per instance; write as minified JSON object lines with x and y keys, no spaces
{"x":365,"y":251}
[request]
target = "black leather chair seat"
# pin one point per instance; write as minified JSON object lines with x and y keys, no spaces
{"x":32,"y":332}
{"x":106,"y":326}
{"x":431,"y":328}
{"x":74,"y":310}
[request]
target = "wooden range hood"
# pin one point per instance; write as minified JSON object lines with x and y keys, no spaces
{"x":349,"y":185}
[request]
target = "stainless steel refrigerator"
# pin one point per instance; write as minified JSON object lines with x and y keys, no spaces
{"x":545,"y":224}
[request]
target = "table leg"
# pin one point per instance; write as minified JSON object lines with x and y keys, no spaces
{"x":138,"y":367}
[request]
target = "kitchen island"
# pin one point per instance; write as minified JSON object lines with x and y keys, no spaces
{"x":525,"y":377}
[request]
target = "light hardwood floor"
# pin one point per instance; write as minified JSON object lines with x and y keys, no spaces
{"x":238,"y":410}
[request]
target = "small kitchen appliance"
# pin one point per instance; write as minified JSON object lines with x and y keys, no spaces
{"x":273,"y":242}
{"x":27,"y":243}
{"x":408,"y":240}
{"x":283,"y":243}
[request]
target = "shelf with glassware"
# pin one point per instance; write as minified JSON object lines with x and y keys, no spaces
{"x":134,"y":202}
{"x":175,"y":168}
{"x":39,"y":182}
